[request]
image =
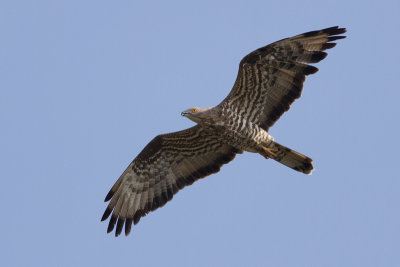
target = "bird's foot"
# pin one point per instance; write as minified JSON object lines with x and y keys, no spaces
{"x":271,"y":151}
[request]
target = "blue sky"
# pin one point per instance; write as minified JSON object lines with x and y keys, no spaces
{"x":87,"y":84}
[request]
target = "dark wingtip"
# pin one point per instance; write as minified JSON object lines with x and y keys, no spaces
{"x":111,"y":224}
{"x":310,"y":70}
{"x":140,"y":213}
{"x":328,"y":46}
{"x":317,"y":56}
{"x":341,"y":30}
{"x":128,"y":225}
{"x":120,"y":225}
{"x":335,"y":30}
{"x":337,"y":37}
{"x":106,"y":213}
{"x":109,"y":196}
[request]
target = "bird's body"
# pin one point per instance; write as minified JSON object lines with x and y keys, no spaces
{"x":268,"y":82}
{"x":233,"y":130}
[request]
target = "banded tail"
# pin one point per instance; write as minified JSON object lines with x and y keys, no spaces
{"x":288,"y":157}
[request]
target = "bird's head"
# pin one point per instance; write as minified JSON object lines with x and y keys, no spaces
{"x":196,"y":114}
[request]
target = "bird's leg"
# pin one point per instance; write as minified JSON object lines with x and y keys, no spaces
{"x":271,"y":151}
{"x":268,"y":147}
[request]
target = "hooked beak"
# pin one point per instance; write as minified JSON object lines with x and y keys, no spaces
{"x":183,"y":113}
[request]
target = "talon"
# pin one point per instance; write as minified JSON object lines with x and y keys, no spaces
{"x":271,"y":151}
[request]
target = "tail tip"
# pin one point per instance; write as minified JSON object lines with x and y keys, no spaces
{"x":306,"y":167}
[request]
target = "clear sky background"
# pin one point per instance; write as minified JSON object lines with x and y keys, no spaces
{"x":85,"y":85}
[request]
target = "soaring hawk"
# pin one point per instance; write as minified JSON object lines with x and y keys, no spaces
{"x":268,"y":82}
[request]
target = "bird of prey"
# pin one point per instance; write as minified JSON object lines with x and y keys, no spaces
{"x":269,"y":80}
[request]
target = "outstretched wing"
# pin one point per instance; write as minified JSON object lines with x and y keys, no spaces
{"x":271,"y":78}
{"x":166,"y":165}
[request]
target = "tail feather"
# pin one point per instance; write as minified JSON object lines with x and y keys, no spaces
{"x":290,"y":158}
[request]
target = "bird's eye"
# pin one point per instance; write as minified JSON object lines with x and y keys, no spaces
{"x":194,"y":110}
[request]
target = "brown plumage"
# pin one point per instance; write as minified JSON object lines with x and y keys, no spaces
{"x":268,"y":82}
